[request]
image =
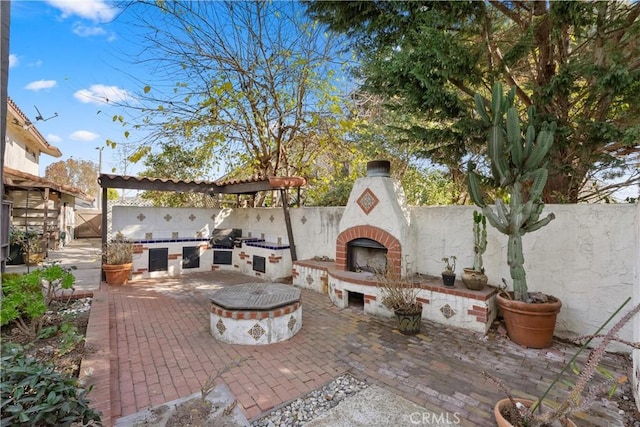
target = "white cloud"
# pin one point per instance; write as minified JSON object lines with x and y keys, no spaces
{"x":13,"y":60}
{"x":101,"y":94}
{"x":83,"y":135}
{"x":96,"y":10}
{"x":87,"y":31}
{"x":53,"y":138}
{"x":41,"y":84}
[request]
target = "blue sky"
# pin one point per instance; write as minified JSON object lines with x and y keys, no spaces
{"x":65,"y":59}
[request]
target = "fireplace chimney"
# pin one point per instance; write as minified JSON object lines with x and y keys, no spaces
{"x":375,"y":223}
{"x":380,"y":168}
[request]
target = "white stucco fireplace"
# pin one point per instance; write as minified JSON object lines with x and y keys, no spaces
{"x":375,"y":217}
{"x":375,"y":234}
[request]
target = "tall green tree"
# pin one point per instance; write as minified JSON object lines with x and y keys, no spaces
{"x":178,"y":161}
{"x":253,"y":82}
{"x":575,"y":62}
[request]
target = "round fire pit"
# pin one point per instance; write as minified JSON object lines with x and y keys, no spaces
{"x":256,"y":313}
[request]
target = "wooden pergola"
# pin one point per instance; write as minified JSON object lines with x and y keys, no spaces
{"x":235,"y":186}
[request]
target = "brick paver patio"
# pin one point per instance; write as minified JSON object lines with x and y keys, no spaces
{"x":157,"y":348}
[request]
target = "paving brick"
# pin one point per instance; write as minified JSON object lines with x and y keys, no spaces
{"x":162,"y":349}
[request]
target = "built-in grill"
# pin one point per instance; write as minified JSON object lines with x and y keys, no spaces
{"x":366,"y":255}
{"x":225,"y":237}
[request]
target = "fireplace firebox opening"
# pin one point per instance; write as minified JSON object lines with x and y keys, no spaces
{"x":366,"y":255}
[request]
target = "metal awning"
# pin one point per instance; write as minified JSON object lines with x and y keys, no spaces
{"x":234,"y":186}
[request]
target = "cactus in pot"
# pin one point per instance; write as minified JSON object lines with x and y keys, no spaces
{"x":517,"y":165}
{"x":479,"y":240}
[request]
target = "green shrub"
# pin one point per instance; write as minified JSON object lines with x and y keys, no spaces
{"x":34,"y":394}
{"x":26,"y":297}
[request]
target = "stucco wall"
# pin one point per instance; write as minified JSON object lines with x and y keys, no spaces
{"x":16,"y":156}
{"x":587,"y":257}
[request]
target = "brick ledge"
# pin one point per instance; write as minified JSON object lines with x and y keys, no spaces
{"x":95,"y":368}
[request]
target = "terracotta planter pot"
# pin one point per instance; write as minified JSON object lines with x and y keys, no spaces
{"x":502,"y":422}
{"x":530,"y":325}
{"x":117,"y":274}
{"x":408,"y":321}
{"x":473,"y":279}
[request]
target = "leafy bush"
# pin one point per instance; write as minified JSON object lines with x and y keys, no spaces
{"x":26,"y":297}
{"x":34,"y":394}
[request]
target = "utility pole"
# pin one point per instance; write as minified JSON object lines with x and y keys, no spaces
{"x":99,"y":197}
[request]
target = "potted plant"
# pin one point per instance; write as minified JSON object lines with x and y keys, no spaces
{"x":33,"y":248}
{"x":474,"y":278}
{"x":399,"y":294}
{"x":449,"y":273}
{"x":117,"y":261}
{"x":518,"y":166}
{"x":526,"y":412}
{"x":16,"y":253}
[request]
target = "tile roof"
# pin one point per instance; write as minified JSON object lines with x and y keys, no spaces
{"x":16,"y":178}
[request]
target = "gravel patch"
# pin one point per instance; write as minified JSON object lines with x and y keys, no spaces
{"x":312,"y":405}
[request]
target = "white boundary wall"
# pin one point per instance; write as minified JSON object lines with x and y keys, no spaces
{"x":588,"y":256}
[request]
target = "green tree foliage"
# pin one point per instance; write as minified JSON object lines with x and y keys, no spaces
{"x":81,"y":174}
{"x":575,"y":62}
{"x":383,"y":131}
{"x":112,"y":194}
{"x":252,"y":82}
{"x":178,"y":161}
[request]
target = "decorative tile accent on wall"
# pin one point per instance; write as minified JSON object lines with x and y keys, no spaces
{"x":213,"y":217}
{"x":292,"y":323}
{"x":141,"y":217}
{"x":271,"y":218}
{"x":447,"y":311}
{"x":192,"y":217}
{"x":303,"y":219}
{"x":258,"y":217}
{"x":148,"y":236}
{"x":175,"y":234}
{"x":367,"y":201}
{"x":220,"y":326}
{"x":309,"y":279}
{"x":257,"y":331}
{"x":167,"y":217}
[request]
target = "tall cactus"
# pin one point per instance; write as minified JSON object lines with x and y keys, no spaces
{"x":518,"y":165}
{"x":479,"y":239}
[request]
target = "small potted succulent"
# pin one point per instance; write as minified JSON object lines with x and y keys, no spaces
{"x":474,"y":278}
{"x":117,"y":260}
{"x":449,"y":273}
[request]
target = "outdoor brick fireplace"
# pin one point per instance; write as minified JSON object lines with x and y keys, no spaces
{"x":375,"y":225}
{"x":356,"y":250}
{"x":375,"y":233}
